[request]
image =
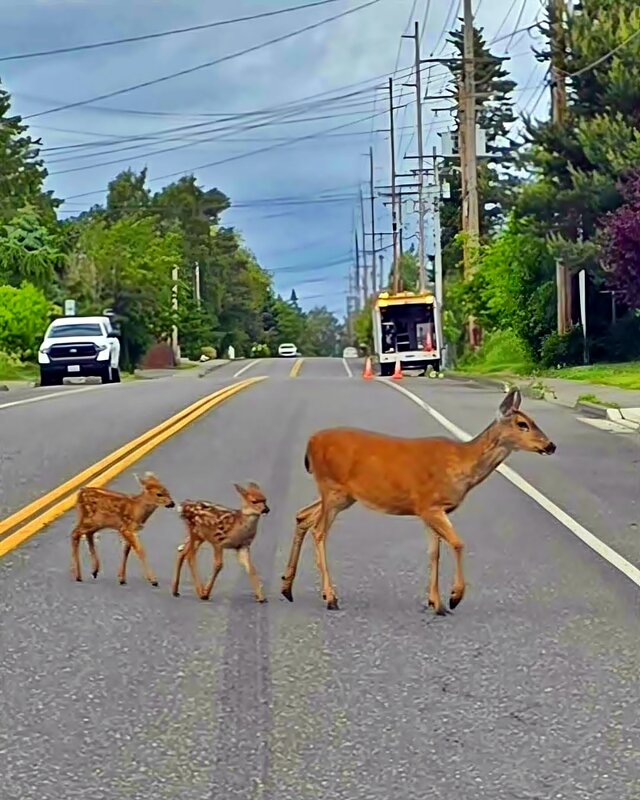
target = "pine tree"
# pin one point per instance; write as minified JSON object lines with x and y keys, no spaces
{"x":22,"y":173}
{"x":494,"y":113}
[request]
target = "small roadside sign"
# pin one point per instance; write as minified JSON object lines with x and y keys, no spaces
{"x":69,"y":308}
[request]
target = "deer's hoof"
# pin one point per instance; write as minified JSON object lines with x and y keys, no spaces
{"x":154,"y":583}
{"x":287,"y":594}
{"x":176,"y":594}
{"x":261,"y":599}
{"x":454,"y":602}
{"x":123,"y":582}
{"x":204,"y":597}
{"x":95,"y":574}
{"x":442,"y":611}
{"x":79,"y":579}
{"x":332,"y":605}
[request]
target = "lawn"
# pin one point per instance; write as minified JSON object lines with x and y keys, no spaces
{"x":624,"y":376}
{"x":12,"y":371}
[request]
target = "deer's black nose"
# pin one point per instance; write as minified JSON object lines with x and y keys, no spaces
{"x":550,"y":448}
{"x":171,"y":505}
{"x":266,"y":509}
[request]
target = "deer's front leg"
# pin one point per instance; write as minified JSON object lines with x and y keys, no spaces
{"x":442,"y":527}
{"x":217,"y":567}
{"x":131,"y":538}
{"x":244,"y":557}
{"x":122,"y":571}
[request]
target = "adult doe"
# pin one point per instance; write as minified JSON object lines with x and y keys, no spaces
{"x":102,"y":508}
{"x":426,"y":478}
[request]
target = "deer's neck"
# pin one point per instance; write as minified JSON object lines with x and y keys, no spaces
{"x":485,"y":454}
{"x":143,"y":509}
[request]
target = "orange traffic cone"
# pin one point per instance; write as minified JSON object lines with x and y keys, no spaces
{"x":397,"y":373}
{"x":368,"y":371}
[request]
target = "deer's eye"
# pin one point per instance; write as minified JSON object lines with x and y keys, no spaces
{"x":523,"y":426}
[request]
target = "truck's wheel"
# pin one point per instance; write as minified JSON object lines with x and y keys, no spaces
{"x":107,"y":374}
{"x":386,"y":370}
{"x":115,"y":375}
{"x":46,"y":379}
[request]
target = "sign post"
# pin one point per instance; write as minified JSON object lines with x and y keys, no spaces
{"x":582,"y":281}
{"x":69,"y":308}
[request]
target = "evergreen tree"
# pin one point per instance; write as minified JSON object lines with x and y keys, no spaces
{"x":22,"y":172}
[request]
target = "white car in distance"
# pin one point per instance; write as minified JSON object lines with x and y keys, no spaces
{"x":350,"y":352}
{"x":287,"y":350}
{"x":75,"y":347}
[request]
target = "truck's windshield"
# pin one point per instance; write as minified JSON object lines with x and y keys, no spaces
{"x":80,"y":329}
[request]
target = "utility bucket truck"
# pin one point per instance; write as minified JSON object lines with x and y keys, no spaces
{"x":406,"y":326}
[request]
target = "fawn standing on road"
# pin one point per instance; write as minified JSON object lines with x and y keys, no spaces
{"x":426,"y":478}
{"x":101,"y":508}
{"x":225,"y":529}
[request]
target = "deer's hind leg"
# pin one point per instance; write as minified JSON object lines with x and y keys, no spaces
{"x":76,"y":535}
{"x":306,"y":518}
{"x":333,"y":503}
{"x":218,"y":563}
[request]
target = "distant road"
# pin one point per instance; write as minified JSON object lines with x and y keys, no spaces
{"x":529,"y":690}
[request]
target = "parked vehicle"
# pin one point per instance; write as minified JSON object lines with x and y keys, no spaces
{"x":79,"y":347}
{"x":350,"y":352}
{"x":407,"y":328}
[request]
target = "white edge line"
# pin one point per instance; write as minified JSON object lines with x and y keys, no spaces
{"x":347,"y":367}
{"x":245,"y":368}
{"x":61,"y":393}
{"x":615,"y":559}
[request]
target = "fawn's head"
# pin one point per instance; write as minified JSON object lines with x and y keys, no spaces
{"x":254,"y":501}
{"x":519,"y":430}
{"x":154,"y":492}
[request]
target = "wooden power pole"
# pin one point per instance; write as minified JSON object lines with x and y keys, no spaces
{"x":468,"y":154}
{"x":373,"y":226}
{"x":365,"y":282}
{"x":557,"y":10}
{"x":358,"y":288}
{"x":394,"y":216}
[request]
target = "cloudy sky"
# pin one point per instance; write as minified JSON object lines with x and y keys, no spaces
{"x":293,"y":169}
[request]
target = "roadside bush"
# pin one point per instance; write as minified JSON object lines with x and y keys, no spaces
{"x":11,"y":368}
{"x":501,"y":351}
{"x":562,"y":350}
{"x":620,"y":343}
{"x":24,"y":316}
{"x":260,"y":351}
{"x":209,"y":352}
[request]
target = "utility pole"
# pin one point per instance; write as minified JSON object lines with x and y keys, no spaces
{"x":421,"y":210}
{"x":196,"y":276}
{"x":468,"y":153}
{"x":373,"y":225}
{"x":174,"y":307}
{"x":358,"y":294}
{"x":556,"y":12}
{"x":437,"y":234}
{"x":365,"y":282}
{"x":394,"y":217}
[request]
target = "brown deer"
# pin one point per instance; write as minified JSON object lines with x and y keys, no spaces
{"x":225,"y":529}
{"x":102,"y":508}
{"x":426,"y":478}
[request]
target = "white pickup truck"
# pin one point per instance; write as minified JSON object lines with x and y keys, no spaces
{"x":79,"y":347}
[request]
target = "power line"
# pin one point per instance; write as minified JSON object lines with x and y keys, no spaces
{"x":172,"y":32}
{"x":206,"y":64}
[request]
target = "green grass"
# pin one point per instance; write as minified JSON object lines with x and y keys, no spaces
{"x":591,"y":398}
{"x":10,"y":370}
{"x":624,"y":376}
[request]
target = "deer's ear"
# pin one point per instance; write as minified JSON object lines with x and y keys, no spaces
{"x":150,"y":475}
{"x":137,"y":477}
{"x":253,"y":485}
{"x":240,"y":489}
{"x":510,"y":403}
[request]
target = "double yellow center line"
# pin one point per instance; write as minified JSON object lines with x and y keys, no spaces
{"x":295,"y":369}
{"x":54,"y":504}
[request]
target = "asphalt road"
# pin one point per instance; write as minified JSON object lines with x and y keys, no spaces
{"x":530,"y":690}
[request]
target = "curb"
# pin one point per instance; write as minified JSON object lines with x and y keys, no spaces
{"x":207,"y":370}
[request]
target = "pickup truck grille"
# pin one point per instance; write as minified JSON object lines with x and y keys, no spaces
{"x":73,"y":352}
